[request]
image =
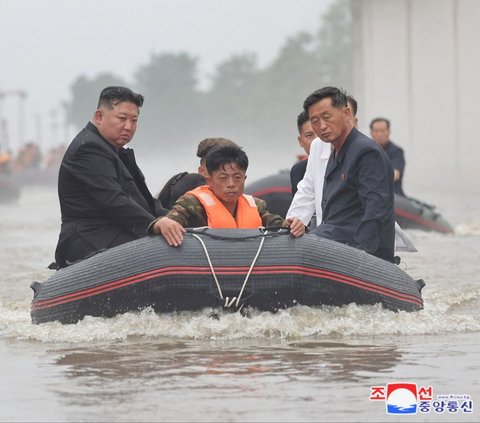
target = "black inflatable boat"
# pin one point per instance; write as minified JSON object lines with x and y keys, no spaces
{"x":409,"y":213}
{"x":230,"y":268}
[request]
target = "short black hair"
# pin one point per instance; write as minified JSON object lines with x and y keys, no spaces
{"x":338,"y":96}
{"x":354,"y":104}
{"x":218,"y":157}
{"x":379,"y":119}
{"x":301,"y":119}
{"x":111,"y":96}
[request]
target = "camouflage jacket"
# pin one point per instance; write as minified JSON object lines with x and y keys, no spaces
{"x":189,"y":212}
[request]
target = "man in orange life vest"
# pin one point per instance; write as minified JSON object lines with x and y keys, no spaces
{"x":221,"y":202}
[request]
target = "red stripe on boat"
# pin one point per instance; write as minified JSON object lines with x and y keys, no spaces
{"x":271,"y":190}
{"x":422,"y":221}
{"x":233,"y":270}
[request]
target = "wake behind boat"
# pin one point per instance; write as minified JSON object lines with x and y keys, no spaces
{"x":230,"y":268}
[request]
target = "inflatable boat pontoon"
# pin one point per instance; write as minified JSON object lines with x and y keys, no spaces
{"x":230,"y":268}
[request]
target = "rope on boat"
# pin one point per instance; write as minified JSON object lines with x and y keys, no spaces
{"x":229,"y":302}
{"x":272,"y":231}
{"x":251,"y":268}
{"x":210,"y":264}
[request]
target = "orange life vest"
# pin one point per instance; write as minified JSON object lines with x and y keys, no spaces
{"x":219,"y":217}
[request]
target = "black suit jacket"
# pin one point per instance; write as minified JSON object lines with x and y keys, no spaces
{"x":104,"y":199}
{"x":397,"y":157}
{"x":297,"y":172}
{"x":358,"y":202}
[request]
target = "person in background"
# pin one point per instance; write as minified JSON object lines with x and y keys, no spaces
{"x":222,"y":202}
{"x":305,"y":138}
{"x":357,"y":198}
{"x":55,"y":156}
{"x":6,"y":162}
{"x":29,"y":157}
{"x":380,"y":132}
{"x":205,"y":146}
{"x":183,"y":182}
{"x":352,"y":103}
{"x":104,"y":200}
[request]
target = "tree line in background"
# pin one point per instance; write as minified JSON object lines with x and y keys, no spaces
{"x":242,"y":102}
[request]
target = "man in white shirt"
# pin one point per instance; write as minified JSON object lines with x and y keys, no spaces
{"x":307,"y":201}
{"x":308,"y":198}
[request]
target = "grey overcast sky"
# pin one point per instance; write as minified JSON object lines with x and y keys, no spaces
{"x":46,"y":44}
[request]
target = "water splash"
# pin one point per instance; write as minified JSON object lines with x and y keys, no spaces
{"x":468,"y":229}
{"x":441,"y":315}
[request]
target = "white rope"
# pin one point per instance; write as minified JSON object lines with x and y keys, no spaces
{"x":210,"y":264}
{"x":251,"y":268}
{"x":228,"y":302}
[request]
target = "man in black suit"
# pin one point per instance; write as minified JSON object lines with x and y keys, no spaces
{"x":104,"y":199}
{"x":357,"y":203}
{"x":380,"y":131}
{"x":305,"y":138}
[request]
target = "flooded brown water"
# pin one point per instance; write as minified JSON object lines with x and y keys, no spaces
{"x":302,"y":364}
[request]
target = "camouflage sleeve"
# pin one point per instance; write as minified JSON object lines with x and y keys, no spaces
{"x":188,"y":211}
{"x":270,"y":219}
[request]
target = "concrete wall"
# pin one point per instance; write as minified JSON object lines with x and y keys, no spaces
{"x":418,"y":64}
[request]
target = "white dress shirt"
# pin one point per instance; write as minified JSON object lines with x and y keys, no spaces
{"x":308,"y":198}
